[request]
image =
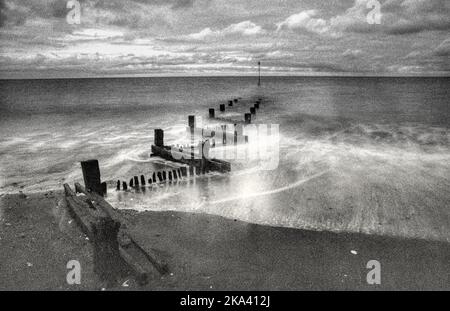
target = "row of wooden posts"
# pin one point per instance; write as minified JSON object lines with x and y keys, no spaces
{"x":247,"y":116}
{"x":157,"y":177}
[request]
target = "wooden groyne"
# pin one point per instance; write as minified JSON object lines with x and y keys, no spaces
{"x":200,"y":161}
{"x":116,"y":251}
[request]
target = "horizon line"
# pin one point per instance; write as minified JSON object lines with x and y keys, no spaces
{"x":231,"y":75}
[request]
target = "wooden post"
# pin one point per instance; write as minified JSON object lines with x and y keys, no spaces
{"x":252,"y":110}
{"x":183,"y":171}
{"x":257,"y":105}
{"x":191,"y":121}
{"x":159,"y":137}
{"x":131,"y":183}
{"x":154,"y":177}
{"x":91,"y":175}
{"x":136,"y":181}
{"x":230,"y":103}
{"x":124,"y":185}
{"x":142,"y":180}
{"x":150,"y":181}
{"x":160,"y":178}
{"x":235,"y":100}
{"x":224,"y":134}
{"x":222,"y":107}
{"x":118,"y":185}
{"x":212,"y":113}
{"x":248,"y":118}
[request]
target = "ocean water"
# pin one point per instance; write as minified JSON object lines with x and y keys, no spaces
{"x":355,"y":154}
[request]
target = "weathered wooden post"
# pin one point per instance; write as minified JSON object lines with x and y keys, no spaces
{"x":191,"y":121}
{"x":252,"y":110}
{"x":224,"y":134}
{"x":257,"y":105}
{"x":118,"y":185}
{"x":159,"y":138}
{"x":183,"y":171}
{"x":91,"y":176}
{"x":142,"y":180}
{"x":136,"y":181}
{"x":212,"y":113}
{"x":124,"y":185}
{"x":154,"y":177}
{"x":222,"y":107}
{"x":230,"y":103}
{"x":131,"y":183}
{"x":248,"y":118}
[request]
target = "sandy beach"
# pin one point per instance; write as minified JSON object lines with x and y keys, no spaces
{"x":205,"y":252}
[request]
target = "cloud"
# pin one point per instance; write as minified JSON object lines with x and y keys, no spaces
{"x":443,"y":49}
{"x":305,"y":21}
{"x":350,"y":53}
{"x":246,"y":28}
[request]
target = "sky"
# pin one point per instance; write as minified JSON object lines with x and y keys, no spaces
{"x":224,"y":37}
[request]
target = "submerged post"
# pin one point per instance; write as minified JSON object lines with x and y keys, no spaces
{"x":248,"y":118}
{"x":91,"y":176}
{"x":159,"y":138}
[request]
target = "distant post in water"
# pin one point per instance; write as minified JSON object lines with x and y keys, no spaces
{"x":230,"y":103}
{"x":159,"y":138}
{"x":252,"y":110}
{"x":222,"y":107}
{"x":91,"y":176}
{"x":259,"y":73}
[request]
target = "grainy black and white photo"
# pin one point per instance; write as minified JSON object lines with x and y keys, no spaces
{"x":210,"y":146}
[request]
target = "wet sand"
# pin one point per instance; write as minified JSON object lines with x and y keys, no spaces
{"x":205,"y":252}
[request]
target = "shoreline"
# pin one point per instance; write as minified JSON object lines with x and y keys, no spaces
{"x":209,"y":252}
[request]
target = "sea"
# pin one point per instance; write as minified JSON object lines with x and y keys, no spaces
{"x":353,"y":154}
